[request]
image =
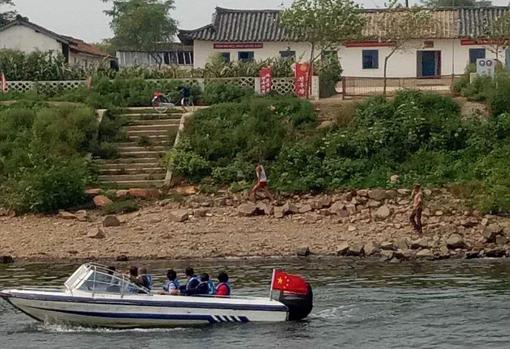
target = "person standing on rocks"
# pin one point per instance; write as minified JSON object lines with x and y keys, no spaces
{"x":261,"y":183}
{"x":417,"y":209}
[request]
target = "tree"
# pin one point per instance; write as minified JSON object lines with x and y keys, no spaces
{"x":456,"y":3}
{"x":141,"y":24}
{"x":6,"y":17}
{"x":498,"y":34}
{"x":400,"y":27}
{"x":325,"y":24}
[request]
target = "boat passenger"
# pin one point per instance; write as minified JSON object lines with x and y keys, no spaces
{"x":223,"y":288}
{"x":133,"y":275}
{"x":172,"y":285}
{"x":206,"y":285}
{"x":145,"y":279}
{"x":191,"y":285}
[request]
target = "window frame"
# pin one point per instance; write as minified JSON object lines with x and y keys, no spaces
{"x":364,"y":53}
{"x":251,"y":53}
{"x":477,"y":49}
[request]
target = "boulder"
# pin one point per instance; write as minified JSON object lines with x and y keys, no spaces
{"x":102,"y":201}
{"x":444,"y":252}
{"x":339,"y":209}
{"x":394,"y":179}
{"x":121,"y":194}
{"x":186,"y":190}
{"x":263,"y":209}
{"x":402,"y":244}
{"x":362,"y":193}
{"x":144,"y":193}
{"x":491,"y":231}
{"x":495,"y":252}
{"x":247,"y":209}
{"x":178,"y":216}
{"x":342,"y":249}
{"x":382,"y":213}
{"x":323,"y":202}
{"x":425,"y":253}
{"x":351,"y":209}
{"x":303,"y":251}
{"x":469,"y":222}
{"x":93,"y":192}
{"x":305,"y":208}
{"x":387,"y":255}
{"x":370,"y":248}
{"x":278,"y":212}
{"x":111,"y":221}
{"x":377,"y":194}
{"x":422,"y":243}
{"x":387,"y":246}
{"x":96,"y":233}
{"x":455,"y":241}
{"x":290,"y":208}
{"x":373,"y":204}
{"x":404,"y":192}
{"x":501,"y":240}
{"x":356,"y":249}
{"x":66,"y":215}
{"x":6,"y":260}
{"x":82,"y":215}
{"x":200,"y":212}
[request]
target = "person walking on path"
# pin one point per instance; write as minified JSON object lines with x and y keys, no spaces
{"x":261,"y":183}
{"x":417,"y":209}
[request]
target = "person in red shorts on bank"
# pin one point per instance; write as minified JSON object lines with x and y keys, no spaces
{"x":223,"y":287}
{"x":261,"y":183}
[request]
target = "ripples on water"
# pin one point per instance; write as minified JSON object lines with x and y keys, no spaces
{"x":358,"y":304}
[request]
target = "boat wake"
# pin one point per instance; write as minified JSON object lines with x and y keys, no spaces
{"x":341,"y":311}
{"x":50,"y":328}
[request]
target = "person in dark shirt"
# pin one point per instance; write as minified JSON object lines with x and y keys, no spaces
{"x":145,"y":279}
{"x":190,"y":288}
{"x":206,"y":286}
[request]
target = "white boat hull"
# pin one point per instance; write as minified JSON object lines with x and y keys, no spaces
{"x":142,"y":311}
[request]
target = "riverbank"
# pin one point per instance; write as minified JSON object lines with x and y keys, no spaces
{"x":366,"y":223}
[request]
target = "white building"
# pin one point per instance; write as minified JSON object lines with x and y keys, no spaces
{"x":28,"y":37}
{"x":257,"y":35}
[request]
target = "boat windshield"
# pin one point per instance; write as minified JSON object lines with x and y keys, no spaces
{"x":99,"y":279}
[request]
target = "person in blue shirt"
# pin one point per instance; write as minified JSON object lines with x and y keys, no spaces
{"x":190,"y":288}
{"x":206,"y":286}
{"x":145,"y":279}
{"x":172,"y":285}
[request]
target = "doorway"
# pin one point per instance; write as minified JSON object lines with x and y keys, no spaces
{"x":429,"y":64}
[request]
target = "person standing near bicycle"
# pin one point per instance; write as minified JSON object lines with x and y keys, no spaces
{"x":185,"y":96}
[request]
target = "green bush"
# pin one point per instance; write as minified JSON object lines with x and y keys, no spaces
{"x":329,"y":75}
{"x":121,"y":207}
{"x":219,"y":92}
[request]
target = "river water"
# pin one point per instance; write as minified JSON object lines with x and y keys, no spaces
{"x":358,"y":304}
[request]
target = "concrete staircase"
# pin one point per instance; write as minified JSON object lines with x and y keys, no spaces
{"x":149,"y":136}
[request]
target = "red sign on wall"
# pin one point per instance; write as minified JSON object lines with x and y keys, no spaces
{"x":266,"y":80}
{"x":237,"y":45}
{"x":302,"y":79}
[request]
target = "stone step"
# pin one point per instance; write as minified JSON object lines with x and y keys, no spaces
{"x":132,"y":177}
{"x":153,"y":141}
{"x":153,"y":138}
{"x":142,"y":154}
{"x":137,"y":122}
{"x":136,"y":148}
{"x":127,"y":161}
{"x":131,"y":170}
{"x":148,"y":133}
{"x":153,"y":116}
{"x":152,"y":127}
{"x":136,"y":184}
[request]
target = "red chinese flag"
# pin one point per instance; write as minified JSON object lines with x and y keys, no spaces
{"x":302,"y":79}
{"x":266,"y":80}
{"x":289,"y":283}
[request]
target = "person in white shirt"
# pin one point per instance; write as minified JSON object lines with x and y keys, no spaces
{"x":261,"y":184}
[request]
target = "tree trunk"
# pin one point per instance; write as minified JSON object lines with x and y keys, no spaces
{"x":310,"y":72}
{"x":385,"y":81}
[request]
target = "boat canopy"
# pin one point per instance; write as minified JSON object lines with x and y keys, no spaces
{"x":97,"y":278}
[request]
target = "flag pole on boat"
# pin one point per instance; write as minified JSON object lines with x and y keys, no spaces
{"x":272,"y":283}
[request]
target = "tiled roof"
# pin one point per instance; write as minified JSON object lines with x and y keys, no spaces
{"x":240,"y":26}
{"x":263,"y":25}
{"x":473,"y":22}
{"x":78,"y":45}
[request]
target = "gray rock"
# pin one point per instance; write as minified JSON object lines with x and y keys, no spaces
{"x":394,"y":179}
{"x":338,"y":208}
{"x":404,"y":192}
{"x":377,"y":194}
{"x":387,"y":246}
{"x":426,"y":253}
{"x":501,"y":240}
{"x":96,"y":233}
{"x":422,"y":243}
{"x":303,"y":252}
{"x":263,"y":209}
{"x":245,"y":210}
{"x":200,"y":212}
{"x":491,"y":231}
{"x":444,"y":252}
{"x":342,"y":249}
{"x":387,"y":255}
{"x":382,"y":213}
{"x":373,"y":204}
{"x":305,"y":208}
{"x":290,"y":208}
{"x":178,"y":216}
{"x":111,"y":221}
{"x":278,"y":212}
{"x":355,"y":249}
{"x":402,"y":244}
{"x":455,"y":241}
{"x":370,"y":248}
{"x":495,"y":252}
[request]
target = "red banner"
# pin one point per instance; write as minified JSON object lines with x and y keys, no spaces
{"x":302,"y":80}
{"x":234,"y":45}
{"x":289,"y":283}
{"x":266,"y":80}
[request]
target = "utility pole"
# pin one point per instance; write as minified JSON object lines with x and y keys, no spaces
{"x":407,"y":3}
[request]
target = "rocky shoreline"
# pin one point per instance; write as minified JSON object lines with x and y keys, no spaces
{"x":364,"y":223}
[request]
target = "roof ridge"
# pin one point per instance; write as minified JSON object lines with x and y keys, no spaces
{"x":230,"y":10}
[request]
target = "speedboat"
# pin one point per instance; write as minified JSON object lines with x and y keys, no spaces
{"x":95,"y":296}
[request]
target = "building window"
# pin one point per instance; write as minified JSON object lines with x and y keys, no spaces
{"x":225,"y":56}
{"x":370,"y":59}
{"x":246,"y":56}
{"x":184,"y":58}
{"x":476,"y":53}
{"x":288,"y":54}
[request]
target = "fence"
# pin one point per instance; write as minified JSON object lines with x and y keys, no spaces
{"x":356,"y":86}
{"x":282,"y":86}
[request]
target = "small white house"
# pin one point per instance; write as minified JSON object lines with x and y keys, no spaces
{"x":257,"y":35}
{"x":28,"y":37}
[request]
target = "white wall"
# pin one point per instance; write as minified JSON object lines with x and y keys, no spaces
{"x":27,"y":40}
{"x":402,"y":64}
{"x":84,"y":60}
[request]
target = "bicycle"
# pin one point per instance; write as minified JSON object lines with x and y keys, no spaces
{"x":161,"y":103}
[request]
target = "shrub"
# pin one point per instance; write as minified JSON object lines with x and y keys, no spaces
{"x":219,"y":92}
{"x":121,"y":207}
{"x":329,"y":75}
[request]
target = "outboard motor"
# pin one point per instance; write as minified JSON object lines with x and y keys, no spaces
{"x":300,"y":306}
